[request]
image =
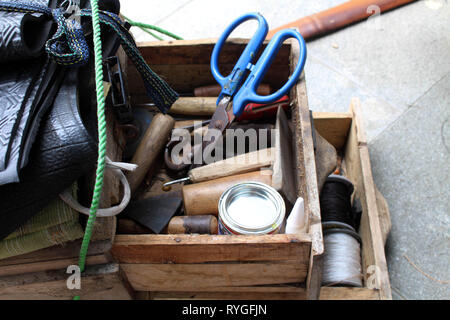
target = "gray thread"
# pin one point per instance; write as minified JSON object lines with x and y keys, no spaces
{"x":342,"y":260}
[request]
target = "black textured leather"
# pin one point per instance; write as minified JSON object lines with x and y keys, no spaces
{"x":27,"y":90}
{"x":23,"y":36}
{"x":27,"y":86}
{"x":64,"y":150}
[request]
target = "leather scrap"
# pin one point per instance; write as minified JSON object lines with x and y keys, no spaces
{"x":326,"y":159}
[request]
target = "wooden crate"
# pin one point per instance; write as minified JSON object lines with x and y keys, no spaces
{"x":258,"y":267}
{"x":223,"y":263}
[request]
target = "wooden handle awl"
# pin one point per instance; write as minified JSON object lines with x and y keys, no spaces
{"x":202,"y":224}
{"x":240,"y":164}
{"x":152,"y":144}
{"x":203,"y":197}
{"x":194,"y":106}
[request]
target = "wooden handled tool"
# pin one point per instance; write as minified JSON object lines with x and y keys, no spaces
{"x":206,"y":106}
{"x":338,"y":17}
{"x":194,"y":106}
{"x":240,"y":164}
{"x":203,"y":198}
{"x":152,"y":144}
{"x":215,"y":89}
{"x":202,"y":224}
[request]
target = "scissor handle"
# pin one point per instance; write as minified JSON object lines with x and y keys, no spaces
{"x":231,"y":83}
{"x":247,"y":93}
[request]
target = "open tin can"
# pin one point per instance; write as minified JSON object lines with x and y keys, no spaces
{"x":251,"y":208}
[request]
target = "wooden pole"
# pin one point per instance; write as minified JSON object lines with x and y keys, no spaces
{"x":335,"y":18}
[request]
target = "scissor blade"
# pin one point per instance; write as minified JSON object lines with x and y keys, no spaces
{"x":221,"y":119}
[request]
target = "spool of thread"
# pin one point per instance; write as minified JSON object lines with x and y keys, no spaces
{"x":335,"y":201}
{"x":342,"y":258}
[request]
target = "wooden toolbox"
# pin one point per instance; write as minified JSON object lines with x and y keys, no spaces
{"x":220,"y":267}
{"x":277,"y":266}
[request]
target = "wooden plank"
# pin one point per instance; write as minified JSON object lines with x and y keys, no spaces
{"x":68,"y":250}
{"x":269,"y":289}
{"x":207,"y":248}
{"x":214,"y":295}
{"x":307,"y":178}
{"x":199,"y":51}
{"x":343,"y":293}
{"x":97,"y":282}
{"x":198,"y":277}
{"x":359,"y":172}
{"x":185,"y":77}
{"x":326,"y":293}
{"x":50,"y":265}
{"x":185,"y":64}
{"x":333,"y":127}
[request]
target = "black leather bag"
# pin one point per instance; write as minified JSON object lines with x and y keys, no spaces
{"x":47,"y":132}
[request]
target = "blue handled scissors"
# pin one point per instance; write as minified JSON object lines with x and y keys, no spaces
{"x":239,"y":87}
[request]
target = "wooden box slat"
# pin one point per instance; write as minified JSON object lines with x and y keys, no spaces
{"x":185,"y":64}
{"x":359,"y":171}
{"x":205,"y":248}
{"x":200,"y":277}
{"x":341,"y":293}
{"x":105,"y":281}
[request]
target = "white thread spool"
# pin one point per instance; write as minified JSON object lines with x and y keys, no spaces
{"x":342,"y":258}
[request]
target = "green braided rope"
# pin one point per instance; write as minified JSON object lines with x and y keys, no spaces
{"x":132,"y":23}
{"x":145,"y":26}
{"x":101,"y":118}
{"x":101,"y":135}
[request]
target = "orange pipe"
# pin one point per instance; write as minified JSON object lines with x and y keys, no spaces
{"x":338,"y":17}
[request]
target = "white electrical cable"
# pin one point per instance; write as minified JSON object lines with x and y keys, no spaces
{"x":342,"y":260}
{"x":116,"y":168}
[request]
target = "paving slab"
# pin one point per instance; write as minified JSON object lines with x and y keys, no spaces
{"x":331,"y":90}
{"x":398,"y":55}
{"x":410,"y":163}
{"x":207,"y":19}
{"x":150,"y":12}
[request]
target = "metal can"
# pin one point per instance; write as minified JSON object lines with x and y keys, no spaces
{"x":250,"y":208}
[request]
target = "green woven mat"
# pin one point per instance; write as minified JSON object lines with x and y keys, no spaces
{"x":55,"y":224}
